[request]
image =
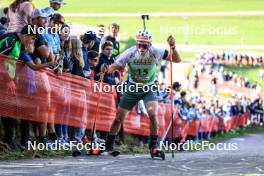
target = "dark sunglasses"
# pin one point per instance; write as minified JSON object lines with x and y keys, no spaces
{"x":143,"y":46}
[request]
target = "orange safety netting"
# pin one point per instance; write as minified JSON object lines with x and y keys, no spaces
{"x":63,"y":99}
{"x":43,"y":96}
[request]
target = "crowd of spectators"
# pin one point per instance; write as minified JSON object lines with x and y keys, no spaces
{"x":233,"y":58}
{"x":204,"y":65}
{"x":86,"y":55}
{"x":55,"y":48}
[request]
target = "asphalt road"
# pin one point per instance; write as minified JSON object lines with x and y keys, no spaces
{"x":248,"y":159}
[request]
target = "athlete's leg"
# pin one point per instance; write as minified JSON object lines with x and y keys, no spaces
{"x":152,"y":109}
{"x":151,"y":103}
{"x":120,"y":116}
{"x":127,"y":102}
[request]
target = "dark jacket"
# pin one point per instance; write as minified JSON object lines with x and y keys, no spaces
{"x":109,"y":77}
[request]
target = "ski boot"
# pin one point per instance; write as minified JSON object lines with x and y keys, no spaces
{"x":154,"y":150}
{"x":109,"y":147}
{"x":157,"y":153}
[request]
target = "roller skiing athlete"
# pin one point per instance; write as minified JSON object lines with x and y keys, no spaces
{"x":142,"y":61}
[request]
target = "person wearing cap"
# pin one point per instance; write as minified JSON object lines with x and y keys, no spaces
{"x":10,"y":45}
{"x":19,"y":15}
{"x":52,"y":33}
{"x":49,"y":11}
{"x":42,"y":55}
{"x":56,"y":4}
{"x":89,"y":43}
{"x":113,"y":33}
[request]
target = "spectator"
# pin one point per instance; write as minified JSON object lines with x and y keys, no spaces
{"x":56,"y":4}
{"x":26,"y":56}
{"x":73,"y":62}
{"x":3,"y":22}
{"x":93,"y":61}
{"x":10,"y":45}
{"x":214,"y":87}
{"x":51,"y":34}
{"x":113,"y":33}
{"x":19,"y":15}
{"x":88,"y":44}
{"x":163,"y":69}
{"x":106,"y":59}
{"x":195,"y":80}
{"x":42,"y":54}
{"x":71,"y":52}
{"x":100,"y":31}
{"x":3,"y":28}
{"x":184,"y":105}
{"x":176,"y":88}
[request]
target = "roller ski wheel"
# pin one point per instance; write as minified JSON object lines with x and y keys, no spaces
{"x":94,"y":152}
{"x":110,"y":153}
{"x":156,"y":153}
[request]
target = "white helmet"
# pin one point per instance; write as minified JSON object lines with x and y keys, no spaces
{"x":144,"y":35}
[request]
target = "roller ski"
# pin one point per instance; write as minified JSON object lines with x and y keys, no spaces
{"x":94,"y":152}
{"x":114,"y":153}
{"x":109,"y":147}
{"x":92,"y":148}
{"x":157,"y":153}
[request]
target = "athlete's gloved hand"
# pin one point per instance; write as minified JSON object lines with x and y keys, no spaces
{"x":171,"y":41}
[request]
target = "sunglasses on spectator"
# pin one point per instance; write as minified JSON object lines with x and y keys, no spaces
{"x":143,"y":46}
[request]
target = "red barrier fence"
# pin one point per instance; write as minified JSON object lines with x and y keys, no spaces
{"x":71,"y":100}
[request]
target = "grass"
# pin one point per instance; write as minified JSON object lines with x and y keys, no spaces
{"x":251,"y":129}
{"x":102,"y":6}
{"x":252,"y":73}
{"x":192,"y":30}
{"x":238,"y":29}
{"x":17,"y":155}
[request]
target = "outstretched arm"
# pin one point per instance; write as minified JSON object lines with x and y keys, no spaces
{"x":112,"y":68}
{"x":34,"y":66}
